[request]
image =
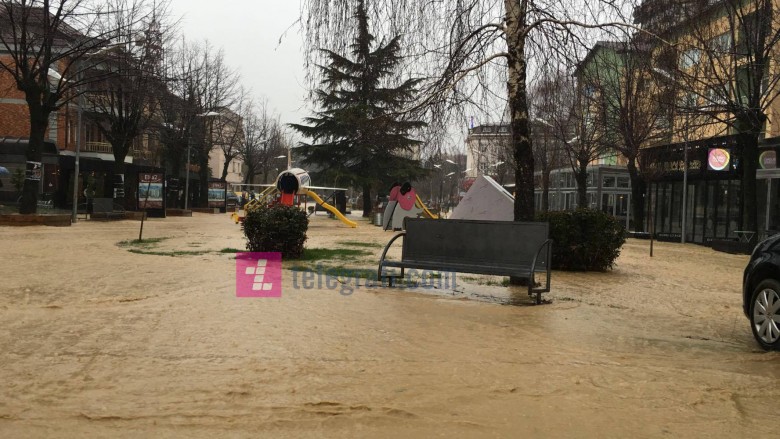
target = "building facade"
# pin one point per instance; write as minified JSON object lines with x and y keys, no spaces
{"x":698,"y":176}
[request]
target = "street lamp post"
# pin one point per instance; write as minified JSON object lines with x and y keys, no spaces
{"x":187,"y":172}
{"x":684,"y":219}
{"x":686,"y":138}
{"x":76,"y":170}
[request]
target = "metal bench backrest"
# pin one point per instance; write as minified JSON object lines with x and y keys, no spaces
{"x":502,"y":243}
{"x":102,"y":205}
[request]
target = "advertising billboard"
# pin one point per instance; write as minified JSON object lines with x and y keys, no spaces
{"x":718,"y":159}
{"x":217,"y":193}
{"x":150,"y":190}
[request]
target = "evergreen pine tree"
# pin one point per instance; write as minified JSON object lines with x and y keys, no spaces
{"x":357,"y":136}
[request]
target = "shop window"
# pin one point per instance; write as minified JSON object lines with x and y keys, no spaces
{"x":608,"y":203}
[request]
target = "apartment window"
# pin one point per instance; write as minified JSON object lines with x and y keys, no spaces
{"x":721,"y":44}
{"x":690,"y":58}
{"x":747,"y":36}
{"x":608,"y":181}
{"x":623,"y":182}
{"x":744,"y":85}
{"x":687,"y":101}
{"x":717,"y":96}
{"x":503,"y":129}
{"x":487,"y":129}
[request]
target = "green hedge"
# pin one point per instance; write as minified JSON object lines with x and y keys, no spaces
{"x":276,"y":228}
{"x":584,"y":239}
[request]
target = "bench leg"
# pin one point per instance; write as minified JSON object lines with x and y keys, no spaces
{"x":532,"y":292}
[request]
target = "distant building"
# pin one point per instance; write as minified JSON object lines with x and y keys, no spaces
{"x":488,"y":151}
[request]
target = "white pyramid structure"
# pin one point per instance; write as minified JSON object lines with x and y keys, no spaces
{"x":485,"y":200}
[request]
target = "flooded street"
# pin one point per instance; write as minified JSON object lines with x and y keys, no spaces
{"x":99,"y":340}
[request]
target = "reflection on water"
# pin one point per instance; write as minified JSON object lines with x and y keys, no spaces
{"x":498,"y":294}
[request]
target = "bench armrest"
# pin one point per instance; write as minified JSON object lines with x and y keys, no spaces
{"x":547,"y":244}
{"x":384,"y":253}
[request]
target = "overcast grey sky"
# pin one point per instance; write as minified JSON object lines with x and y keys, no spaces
{"x":249,"y":32}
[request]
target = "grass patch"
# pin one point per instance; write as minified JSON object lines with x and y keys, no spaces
{"x":172,"y":253}
{"x":495,"y":283}
{"x":362,"y":273}
{"x":148,"y":247}
{"x":318,"y":254}
{"x":148,"y":242}
{"x":360,"y":244}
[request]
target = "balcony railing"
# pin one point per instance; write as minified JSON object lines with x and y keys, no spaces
{"x":102,"y":147}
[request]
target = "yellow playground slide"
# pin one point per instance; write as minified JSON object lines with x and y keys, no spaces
{"x":419,"y":203}
{"x":330,"y":208}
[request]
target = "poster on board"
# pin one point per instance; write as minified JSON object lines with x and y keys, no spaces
{"x":217,"y":194}
{"x":150,"y":190}
{"x":718,"y":159}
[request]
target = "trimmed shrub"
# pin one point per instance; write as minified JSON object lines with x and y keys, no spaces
{"x":584,"y":239}
{"x":276,"y":228}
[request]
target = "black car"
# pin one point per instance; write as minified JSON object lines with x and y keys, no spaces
{"x":761,"y":293}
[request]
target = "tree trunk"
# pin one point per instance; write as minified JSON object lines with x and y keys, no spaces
{"x":204,"y":174}
{"x":582,"y":185}
{"x":250,"y":174}
{"x":638,"y":189}
{"x":367,"y":204}
{"x":518,"y":104}
{"x":39,"y":121}
{"x":546,"y":190}
{"x":225,"y":169}
{"x":120,"y":153}
{"x":749,"y":144}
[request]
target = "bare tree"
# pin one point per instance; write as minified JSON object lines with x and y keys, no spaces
{"x":45,"y":40}
{"x":550,"y":118}
{"x":123,"y":102}
{"x":591,"y":139}
{"x":572,"y":118}
{"x":200,"y":84}
{"x":228,"y":132}
{"x":635,"y":109}
{"x":265,"y":146}
{"x":486,"y":41}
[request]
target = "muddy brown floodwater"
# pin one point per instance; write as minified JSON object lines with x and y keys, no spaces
{"x":97,"y":340}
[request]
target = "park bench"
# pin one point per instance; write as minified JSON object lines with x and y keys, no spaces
{"x":500,"y":248}
{"x":105,"y":208}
